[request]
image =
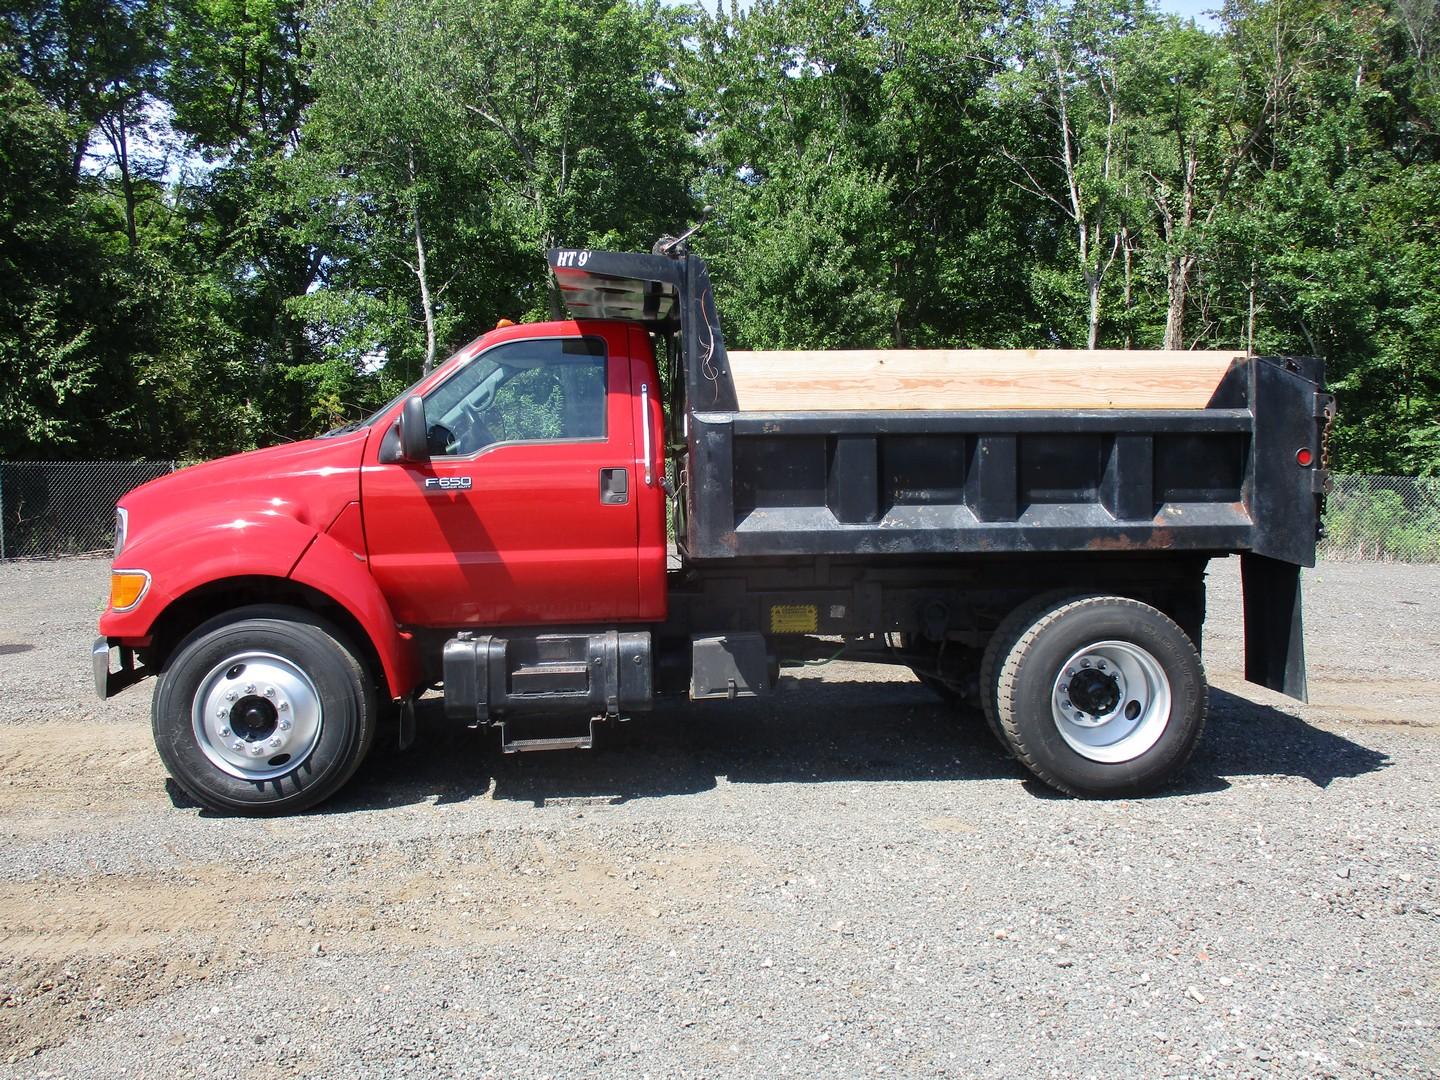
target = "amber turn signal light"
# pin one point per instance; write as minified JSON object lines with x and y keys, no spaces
{"x":126,"y":588}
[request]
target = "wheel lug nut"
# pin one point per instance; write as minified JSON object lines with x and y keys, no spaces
{"x":284,"y":706}
{"x":250,"y":688}
{"x":275,"y":741}
{"x":237,"y":745}
{"x":1084,"y":663}
{"x":224,"y":732}
{"x":269,"y":691}
{"x":256,"y":748}
{"x":231,"y":696}
{"x":284,"y":725}
{"x":1101,"y":665}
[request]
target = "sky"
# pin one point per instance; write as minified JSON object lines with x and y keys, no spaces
{"x":1194,"y":9}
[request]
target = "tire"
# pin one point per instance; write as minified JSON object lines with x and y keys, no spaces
{"x":264,"y":710}
{"x":1101,"y":696}
{"x":1010,"y":630}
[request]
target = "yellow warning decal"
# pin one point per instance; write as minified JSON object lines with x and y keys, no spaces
{"x":793,"y":619}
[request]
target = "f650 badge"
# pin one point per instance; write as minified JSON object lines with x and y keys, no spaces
{"x":448,"y":483}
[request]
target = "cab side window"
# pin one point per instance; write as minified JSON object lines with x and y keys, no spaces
{"x":547,"y":390}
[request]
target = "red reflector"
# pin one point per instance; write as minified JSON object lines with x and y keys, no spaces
{"x":1303,"y":457}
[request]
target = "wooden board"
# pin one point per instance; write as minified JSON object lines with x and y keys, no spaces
{"x":970,"y":379}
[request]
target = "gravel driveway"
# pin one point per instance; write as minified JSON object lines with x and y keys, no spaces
{"x":839,"y":882}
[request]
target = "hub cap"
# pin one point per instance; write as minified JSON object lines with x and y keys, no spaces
{"x":256,"y":715}
{"x":1111,"y":701}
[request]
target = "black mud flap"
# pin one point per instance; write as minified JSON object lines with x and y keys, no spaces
{"x":1274,"y":632}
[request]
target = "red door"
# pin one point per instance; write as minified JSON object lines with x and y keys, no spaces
{"x":526,"y":512}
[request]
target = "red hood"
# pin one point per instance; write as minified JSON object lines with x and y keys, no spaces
{"x":311,"y":481}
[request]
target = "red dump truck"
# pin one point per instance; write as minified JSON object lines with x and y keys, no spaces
{"x":1027,"y":532}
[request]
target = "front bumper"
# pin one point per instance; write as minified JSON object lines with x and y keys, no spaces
{"x":109,"y":683}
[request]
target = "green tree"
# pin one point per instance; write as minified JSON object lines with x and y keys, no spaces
{"x":449,"y":143}
{"x":1067,"y":69}
{"x":803,"y":233}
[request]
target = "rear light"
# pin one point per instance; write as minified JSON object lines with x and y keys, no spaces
{"x":1303,"y":457}
{"x":127,"y":588}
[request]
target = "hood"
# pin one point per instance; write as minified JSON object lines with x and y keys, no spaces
{"x":311,"y":481}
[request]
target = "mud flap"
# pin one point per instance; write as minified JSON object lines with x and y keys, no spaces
{"x":1274,"y":632}
{"x":405,"y":722}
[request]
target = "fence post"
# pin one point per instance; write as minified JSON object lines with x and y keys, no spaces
{"x":2,"y":511}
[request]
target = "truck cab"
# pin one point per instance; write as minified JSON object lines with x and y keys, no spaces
{"x":539,"y":500}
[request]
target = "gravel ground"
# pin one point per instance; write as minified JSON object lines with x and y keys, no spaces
{"x":840,"y":882}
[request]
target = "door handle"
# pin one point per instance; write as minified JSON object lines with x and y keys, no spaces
{"x":645,"y":428}
{"x":614,"y":487}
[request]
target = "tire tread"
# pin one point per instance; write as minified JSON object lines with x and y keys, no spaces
{"x":1012,"y":627}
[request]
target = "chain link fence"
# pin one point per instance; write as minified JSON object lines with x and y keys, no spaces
{"x":53,"y":508}
{"x":1394,"y":518}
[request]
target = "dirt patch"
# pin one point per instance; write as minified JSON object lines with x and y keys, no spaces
{"x":45,"y":1000}
{"x":76,"y":951}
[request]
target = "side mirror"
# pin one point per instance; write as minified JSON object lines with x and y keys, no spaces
{"x":414,"y":440}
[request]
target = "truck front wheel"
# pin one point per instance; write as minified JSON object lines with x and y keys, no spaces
{"x":263,"y":710}
{"x":1101,"y":695}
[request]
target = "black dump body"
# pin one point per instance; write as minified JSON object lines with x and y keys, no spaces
{"x":756,"y":485}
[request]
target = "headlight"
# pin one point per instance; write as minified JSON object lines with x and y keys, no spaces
{"x":122,"y":517}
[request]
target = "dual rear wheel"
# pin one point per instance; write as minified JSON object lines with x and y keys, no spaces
{"x":1095,"y":695}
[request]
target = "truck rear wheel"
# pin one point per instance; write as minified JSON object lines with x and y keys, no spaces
{"x":1101,"y":695}
{"x":264,"y":710}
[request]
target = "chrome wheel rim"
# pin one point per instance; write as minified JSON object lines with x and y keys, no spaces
{"x":1111,"y":701}
{"x":256,"y":716}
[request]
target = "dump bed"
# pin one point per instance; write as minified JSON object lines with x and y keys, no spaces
{"x":886,"y":454}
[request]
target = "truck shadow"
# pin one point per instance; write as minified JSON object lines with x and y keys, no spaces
{"x":824,"y":732}
{"x":1246,"y":738}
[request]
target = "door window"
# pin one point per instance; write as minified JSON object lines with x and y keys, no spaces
{"x":544,"y":390}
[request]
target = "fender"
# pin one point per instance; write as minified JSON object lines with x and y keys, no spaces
{"x":330,"y":567}
{"x":194,"y":550}
{"x":267,"y":544}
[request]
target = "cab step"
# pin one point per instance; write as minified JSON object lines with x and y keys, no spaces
{"x":550,"y":677}
{"x":511,"y":745}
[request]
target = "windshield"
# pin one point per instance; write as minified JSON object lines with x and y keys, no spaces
{"x":356,"y":425}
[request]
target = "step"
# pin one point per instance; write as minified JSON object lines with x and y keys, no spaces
{"x":548,"y":742}
{"x":551,"y":678}
{"x":522,"y":746}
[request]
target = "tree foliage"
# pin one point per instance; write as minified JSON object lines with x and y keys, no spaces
{"x":227,"y":222}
